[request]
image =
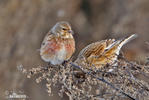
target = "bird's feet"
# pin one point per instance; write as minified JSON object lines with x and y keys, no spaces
{"x":65,"y":63}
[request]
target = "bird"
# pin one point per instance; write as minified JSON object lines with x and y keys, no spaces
{"x":102,"y":53}
{"x":58,"y":45}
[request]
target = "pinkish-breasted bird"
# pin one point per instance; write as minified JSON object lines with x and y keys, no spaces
{"x":59,"y":44}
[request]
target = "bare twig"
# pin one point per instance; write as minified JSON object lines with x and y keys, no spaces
{"x":103,"y":80}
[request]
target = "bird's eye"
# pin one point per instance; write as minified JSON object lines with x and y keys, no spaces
{"x":64,"y":29}
{"x":43,"y":43}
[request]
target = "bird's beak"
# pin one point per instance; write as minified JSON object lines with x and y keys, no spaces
{"x":71,"y":32}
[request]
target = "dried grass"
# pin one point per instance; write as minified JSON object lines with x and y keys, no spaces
{"x":108,"y":83}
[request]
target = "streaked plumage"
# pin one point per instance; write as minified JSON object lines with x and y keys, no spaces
{"x":99,"y":54}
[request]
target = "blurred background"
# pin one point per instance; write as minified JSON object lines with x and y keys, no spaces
{"x":24,"y":23}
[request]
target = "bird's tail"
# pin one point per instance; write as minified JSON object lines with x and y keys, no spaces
{"x":126,"y":40}
{"x":122,"y":42}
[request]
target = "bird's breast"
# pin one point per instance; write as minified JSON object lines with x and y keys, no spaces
{"x":70,"y":47}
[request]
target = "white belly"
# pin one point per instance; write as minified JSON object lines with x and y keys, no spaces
{"x":57,"y":58}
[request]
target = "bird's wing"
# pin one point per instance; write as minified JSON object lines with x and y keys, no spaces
{"x":96,"y":49}
{"x":48,"y":37}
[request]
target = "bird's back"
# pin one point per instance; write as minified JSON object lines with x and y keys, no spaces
{"x":101,"y":53}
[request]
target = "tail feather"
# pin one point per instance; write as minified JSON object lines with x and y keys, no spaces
{"x":120,"y":43}
{"x":126,"y":40}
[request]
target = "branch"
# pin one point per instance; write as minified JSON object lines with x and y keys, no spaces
{"x":103,"y":80}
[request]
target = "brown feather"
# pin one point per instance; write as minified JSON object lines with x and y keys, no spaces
{"x":103,"y":52}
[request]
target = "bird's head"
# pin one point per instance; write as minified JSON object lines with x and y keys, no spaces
{"x":62,"y":29}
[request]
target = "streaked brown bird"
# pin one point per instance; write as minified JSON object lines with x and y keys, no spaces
{"x":101,"y":53}
{"x":58,"y":45}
